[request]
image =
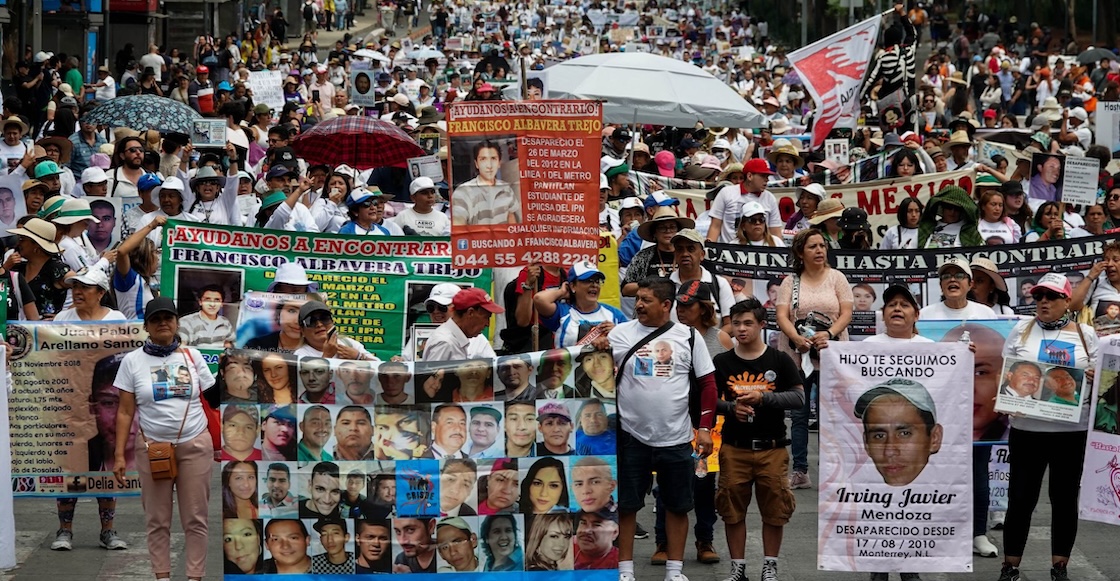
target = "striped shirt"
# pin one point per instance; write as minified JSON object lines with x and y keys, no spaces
{"x":894,"y":65}
{"x":475,"y":204}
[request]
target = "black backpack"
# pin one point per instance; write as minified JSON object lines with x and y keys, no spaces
{"x":308,"y":12}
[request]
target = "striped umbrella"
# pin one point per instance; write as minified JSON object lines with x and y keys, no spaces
{"x":360,"y":142}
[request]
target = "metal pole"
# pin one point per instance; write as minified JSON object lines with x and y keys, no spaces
{"x":805,"y":22}
{"x":1094,"y":22}
{"x":36,"y":27}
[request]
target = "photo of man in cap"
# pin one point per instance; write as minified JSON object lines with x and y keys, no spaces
{"x":594,"y":539}
{"x":900,"y":429}
{"x":555,"y":425}
{"x":278,"y":433}
{"x":484,"y":427}
{"x":458,"y":545}
{"x":335,"y":559}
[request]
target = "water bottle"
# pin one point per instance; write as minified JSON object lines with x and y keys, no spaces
{"x":966,"y":338}
{"x":701,"y":465}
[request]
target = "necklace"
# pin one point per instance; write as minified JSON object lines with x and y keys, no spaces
{"x":664,"y":269}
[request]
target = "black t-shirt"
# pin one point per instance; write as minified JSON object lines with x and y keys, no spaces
{"x":26,"y":296}
{"x":772,"y":371}
{"x":48,"y":297}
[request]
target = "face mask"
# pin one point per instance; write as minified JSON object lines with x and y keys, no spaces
{"x":723,"y":155}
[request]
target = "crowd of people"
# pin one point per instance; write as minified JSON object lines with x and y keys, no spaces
{"x":680,"y":329}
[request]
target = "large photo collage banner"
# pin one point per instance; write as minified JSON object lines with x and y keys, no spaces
{"x":500,"y":465}
{"x":223,"y":278}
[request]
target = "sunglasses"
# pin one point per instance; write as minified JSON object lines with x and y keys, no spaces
{"x":135,"y":150}
{"x":435,"y":307}
{"x":948,"y":276}
{"x":315,"y":318}
{"x":1114,"y":197}
{"x":756,"y":220}
{"x":1046,"y":294}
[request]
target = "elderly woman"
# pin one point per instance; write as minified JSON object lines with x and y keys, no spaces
{"x":808,"y":198}
{"x":1036,"y":444}
{"x":822,"y":289}
{"x":89,"y":287}
{"x":172,"y":412}
{"x":657,"y":260}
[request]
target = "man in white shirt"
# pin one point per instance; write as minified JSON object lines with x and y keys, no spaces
{"x":956,"y":280}
{"x":105,"y":88}
{"x":153,"y":60}
{"x":728,"y":205}
{"x":471,"y":310}
{"x":423,"y":219}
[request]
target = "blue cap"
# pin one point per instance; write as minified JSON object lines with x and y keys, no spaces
{"x":658,"y":199}
{"x":149,"y":181}
{"x":278,"y":171}
{"x":584,"y":271}
{"x":225,"y":86}
{"x":384,"y":77}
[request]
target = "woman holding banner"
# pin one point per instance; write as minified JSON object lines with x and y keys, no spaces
{"x":818,"y":289}
{"x":1052,"y":337}
{"x":175,"y":416}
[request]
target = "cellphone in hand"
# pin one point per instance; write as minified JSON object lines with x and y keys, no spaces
{"x":315,"y":96}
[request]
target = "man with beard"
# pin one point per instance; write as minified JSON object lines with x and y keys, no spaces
{"x":315,"y":375}
{"x":384,"y":497}
{"x":207,"y":328}
{"x":418,"y":549}
{"x":449,"y":432}
{"x":374,"y":546}
{"x":316,"y":430}
{"x":324,"y":490}
{"x":515,"y":372}
{"x":484,"y":428}
{"x":572,"y":310}
{"x":353,"y":433}
{"x":127,"y":167}
{"x":278,"y":501}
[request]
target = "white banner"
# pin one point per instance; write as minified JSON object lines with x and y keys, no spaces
{"x":832,"y":70}
{"x":1100,"y":479}
{"x":267,"y":88}
{"x":895,"y":424}
{"x":1108,"y":125}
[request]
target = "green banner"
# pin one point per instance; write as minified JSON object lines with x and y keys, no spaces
{"x":375,"y":286}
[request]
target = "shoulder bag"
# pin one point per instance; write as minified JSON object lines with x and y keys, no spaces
{"x":161,"y":455}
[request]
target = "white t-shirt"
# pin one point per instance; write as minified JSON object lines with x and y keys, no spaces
{"x":999,"y":230}
{"x":431,"y":224}
{"x":156,"y":63}
{"x":885,"y":338}
{"x":653,"y":403}
{"x":1052,"y":347}
{"x":109,"y":91}
{"x":945,"y":236}
{"x":72,"y":315}
{"x":162,"y":403}
{"x":898,"y":237}
{"x":972,"y":312}
{"x":728,"y":206}
{"x":11,"y":155}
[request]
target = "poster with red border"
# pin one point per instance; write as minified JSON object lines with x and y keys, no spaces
{"x":524,"y":181}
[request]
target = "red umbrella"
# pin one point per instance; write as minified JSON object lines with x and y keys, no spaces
{"x":360,"y":142}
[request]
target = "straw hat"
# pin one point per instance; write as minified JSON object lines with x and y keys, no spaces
{"x":828,"y":208}
{"x":664,"y":214}
{"x":1051,"y":110}
{"x":40,"y":231}
{"x":14,"y":120}
{"x":789,"y":150}
{"x":989,"y":268}
{"x":64,"y":147}
{"x":780,"y":126}
{"x":957,"y":138}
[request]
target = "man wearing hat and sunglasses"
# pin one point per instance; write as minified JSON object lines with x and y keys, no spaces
{"x":728,"y":205}
{"x":322,"y":339}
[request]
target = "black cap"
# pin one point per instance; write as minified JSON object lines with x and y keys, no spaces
{"x":329,"y":520}
{"x":899,"y":290}
{"x":284,"y":156}
{"x":693,"y":291}
{"x":621,"y":134}
{"x":853,"y":219}
{"x":311,"y":307}
{"x":160,"y":305}
{"x":1011,"y":188}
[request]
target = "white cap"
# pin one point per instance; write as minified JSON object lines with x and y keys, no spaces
{"x":607,"y":162}
{"x":721,"y":143}
{"x":421,"y":183}
{"x":443,"y":293}
{"x":1079,"y":113}
{"x":603,"y":184}
{"x":172,"y":183}
{"x":94,"y":175}
{"x":752,"y":208}
{"x":294,"y":274}
{"x":631,"y":202}
{"x":91,"y":276}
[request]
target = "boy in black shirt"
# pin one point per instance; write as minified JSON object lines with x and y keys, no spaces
{"x":756,"y":384}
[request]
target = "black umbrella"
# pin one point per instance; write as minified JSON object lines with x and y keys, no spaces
{"x":1096,"y":55}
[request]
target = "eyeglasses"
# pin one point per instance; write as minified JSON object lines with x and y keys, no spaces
{"x":315,"y":318}
{"x":135,"y":150}
{"x":1114,"y":197}
{"x":1046,"y":294}
{"x":666,"y":228}
{"x":433,"y":307}
{"x":756,"y":220}
{"x":948,"y":276}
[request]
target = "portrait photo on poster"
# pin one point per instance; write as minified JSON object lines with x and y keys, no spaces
{"x":485,"y":181}
{"x":208,"y":306}
{"x":1046,"y":177}
{"x":1042,"y":390}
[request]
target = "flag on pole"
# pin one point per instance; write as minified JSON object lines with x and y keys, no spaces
{"x":832,"y":70}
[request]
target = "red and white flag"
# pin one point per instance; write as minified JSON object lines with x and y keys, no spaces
{"x":832,"y":70}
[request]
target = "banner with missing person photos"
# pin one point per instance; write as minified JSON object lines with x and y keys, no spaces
{"x":376,"y":286}
{"x":1100,"y":478}
{"x":485,"y":466}
{"x":759,"y":270}
{"x":895,"y":424}
{"x":62,"y":410}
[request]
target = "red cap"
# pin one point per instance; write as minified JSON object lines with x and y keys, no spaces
{"x":990,"y":114}
{"x":757,"y":165}
{"x":202,"y":69}
{"x":475,"y":297}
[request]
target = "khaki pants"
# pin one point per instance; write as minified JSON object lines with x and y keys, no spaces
{"x":192,"y":486}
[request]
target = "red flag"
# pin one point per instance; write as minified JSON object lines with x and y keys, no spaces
{"x":832,"y":70}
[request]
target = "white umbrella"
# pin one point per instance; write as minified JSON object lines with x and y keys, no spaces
{"x":424,"y":53}
{"x":650,"y":89}
{"x":366,"y":53}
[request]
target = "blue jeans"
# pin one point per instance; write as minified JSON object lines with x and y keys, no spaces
{"x":704,"y":505}
{"x":799,"y":426}
{"x":340,"y":16}
{"x":980,"y":485}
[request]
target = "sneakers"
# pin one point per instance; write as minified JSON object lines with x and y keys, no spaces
{"x":639,"y":532}
{"x":799,"y":480}
{"x":705,"y":553}
{"x":626,"y":576}
{"x":880,"y":577}
{"x":982,"y":546}
{"x":1058,"y":572}
{"x":1009,"y":573}
{"x":112,"y":542}
{"x":660,"y":555}
{"x":996,"y":518}
{"x":769,"y":571}
{"x":910,"y":577}
{"x":738,"y":572}
{"x":63,"y":540}
{"x":678,"y":577}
